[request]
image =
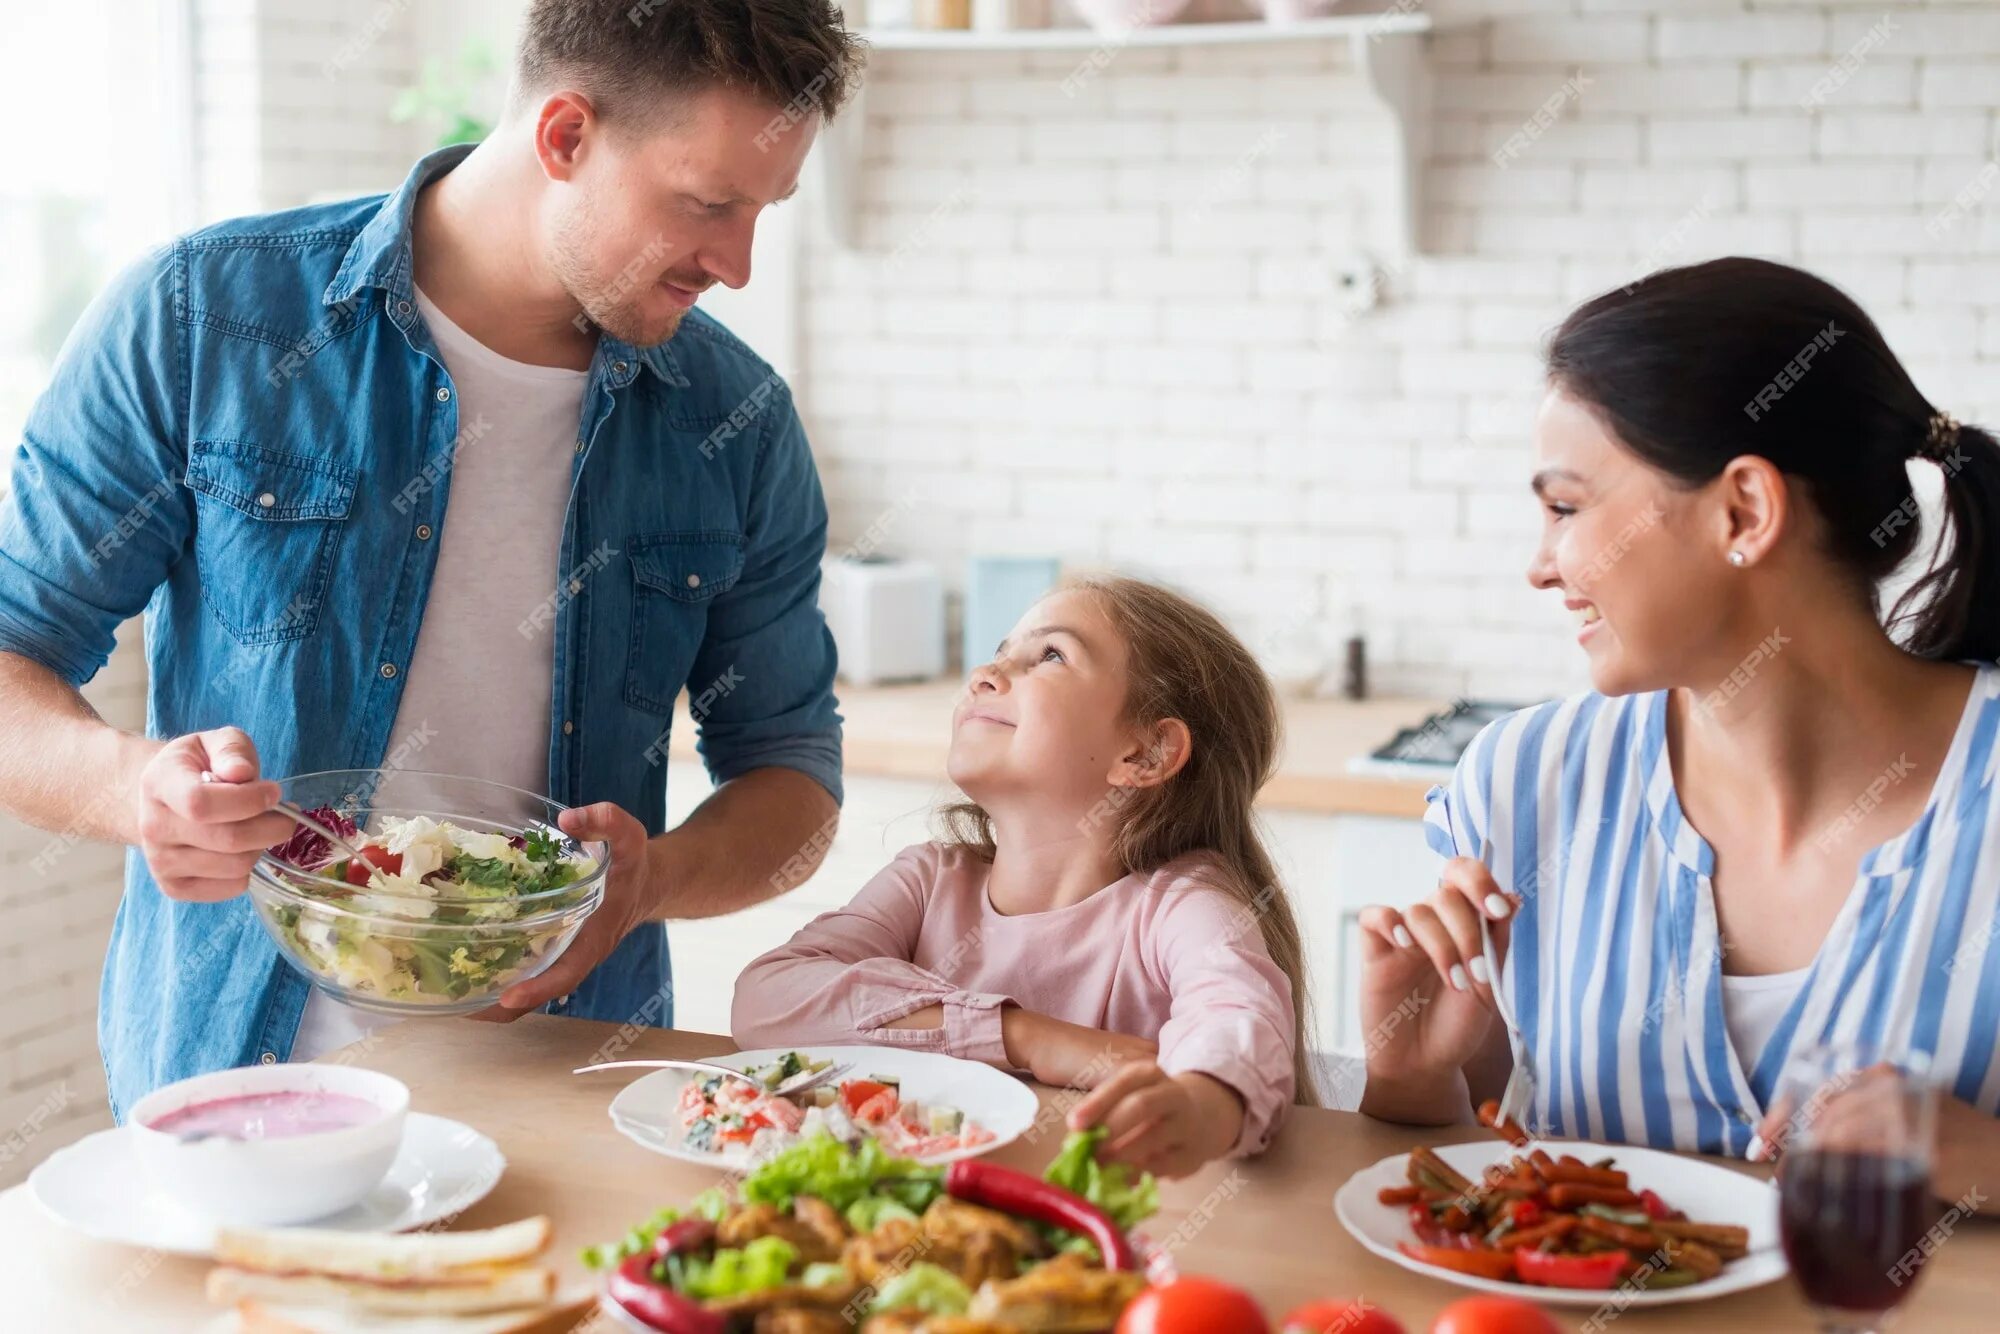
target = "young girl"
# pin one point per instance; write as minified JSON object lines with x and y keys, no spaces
{"x":1101,"y":912}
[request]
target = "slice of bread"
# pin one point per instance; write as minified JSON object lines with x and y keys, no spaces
{"x":255,"y":1316}
{"x":380,"y":1257}
{"x":497,"y":1289}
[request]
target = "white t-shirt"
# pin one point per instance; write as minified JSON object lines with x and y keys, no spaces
{"x":1753,"y":1005}
{"x":476,"y":695}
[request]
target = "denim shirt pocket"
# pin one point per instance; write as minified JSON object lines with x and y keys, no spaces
{"x":674,"y":577}
{"x":266,"y":529}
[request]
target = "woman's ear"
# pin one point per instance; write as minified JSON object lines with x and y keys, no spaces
{"x":1756,"y":503}
{"x":1157,"y":754}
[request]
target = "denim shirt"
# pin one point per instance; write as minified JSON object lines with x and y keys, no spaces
{"x":250,"y":437}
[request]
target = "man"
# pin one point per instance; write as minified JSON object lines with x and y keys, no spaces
{"x":455,"y":481}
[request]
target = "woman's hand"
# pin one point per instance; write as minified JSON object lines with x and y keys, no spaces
{"x":1067,"y":1055}
{"x":1168,"y":1125}
{"x":1426,"y":996}
{"x":1968,"y":1140}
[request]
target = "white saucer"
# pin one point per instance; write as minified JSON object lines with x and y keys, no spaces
{"x":97,"y":1187}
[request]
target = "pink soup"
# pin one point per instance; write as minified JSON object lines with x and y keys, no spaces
{"x":269,"y":1115}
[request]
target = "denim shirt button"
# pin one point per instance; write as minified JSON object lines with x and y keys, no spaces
{"x":694,"y":581}
{"x":423,"y":532}
{"x":268,"y":1058}
{"x":388,"y":671}
{"x":618,"y":367}
{"x":568,"y":727}
{"x":444,"y":394}
{"x":575,"y":587}
{"x":402,"y":308}
{"x":266,"y":500}
{"x":579,"y":446}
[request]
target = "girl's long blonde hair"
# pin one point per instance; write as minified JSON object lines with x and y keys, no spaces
{"x":1184,"y":663}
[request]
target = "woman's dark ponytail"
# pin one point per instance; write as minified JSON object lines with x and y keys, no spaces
{"x":1695,"y":366}
{"x":1953,"y":611}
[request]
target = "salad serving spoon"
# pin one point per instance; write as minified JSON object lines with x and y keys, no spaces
{"x":803,"y":1082}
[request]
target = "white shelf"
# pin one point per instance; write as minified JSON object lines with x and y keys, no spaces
{"x":1167,"y":34}
{"x":1387,"y":48}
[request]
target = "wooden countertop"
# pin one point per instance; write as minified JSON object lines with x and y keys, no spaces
{"x":1266,"y":1224}
{"x":904,"y":731}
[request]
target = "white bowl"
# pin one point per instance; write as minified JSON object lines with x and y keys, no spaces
{"x":279,"y":1180}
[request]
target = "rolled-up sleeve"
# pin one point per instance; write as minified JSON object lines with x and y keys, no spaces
{"x":96,"y":514}
{"x":766,"y":634}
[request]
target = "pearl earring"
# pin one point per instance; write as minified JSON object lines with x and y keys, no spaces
{"x":1737,"y":559}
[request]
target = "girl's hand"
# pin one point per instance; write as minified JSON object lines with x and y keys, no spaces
{"x":1168,"y":1125}
{"x":1064,"y":1054}
{"x":1426,"y":996}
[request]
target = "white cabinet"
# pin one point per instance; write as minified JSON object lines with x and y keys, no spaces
{"x":1334,"y":865}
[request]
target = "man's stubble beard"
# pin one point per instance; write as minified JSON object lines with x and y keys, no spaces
{"x":621,"y":316}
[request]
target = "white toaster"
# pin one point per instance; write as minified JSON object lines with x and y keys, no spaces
{"x":887,"y":618}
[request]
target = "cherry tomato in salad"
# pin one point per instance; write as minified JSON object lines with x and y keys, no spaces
{"x":380,"y":857}
{"x":1193,"y":1306}
{"x":1340,"y":1318}
{"x":857,"y":1092}
{"x":1593,"y":1272}
{"x":878,"y":1108}
{"x":1493,"y":1315}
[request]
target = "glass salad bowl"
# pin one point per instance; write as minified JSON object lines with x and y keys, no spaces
{"x":470,"y":888}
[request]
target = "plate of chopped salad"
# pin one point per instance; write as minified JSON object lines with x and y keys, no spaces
{"x":462,"y":889}
{"x":917,"y":1105}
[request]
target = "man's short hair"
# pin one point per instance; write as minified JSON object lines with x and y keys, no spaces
{"x":637,"y":59}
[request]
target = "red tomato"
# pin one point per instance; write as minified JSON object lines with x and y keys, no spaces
{"x":1341,"y":1318}
{"x":1493,"y":1315}
{"x":1524,"y":1213}
{"x":857,"y":1091}
{"x":878,"y":1108}
{"x":357,"y":867}
{"x":1193,"y":1306}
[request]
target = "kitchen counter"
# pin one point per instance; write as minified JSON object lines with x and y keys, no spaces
{"x":1266,"y":1224}
{"x":904,"y":731}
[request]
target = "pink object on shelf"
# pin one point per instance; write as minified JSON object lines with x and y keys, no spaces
{"x":1293,"y":11}
{"x":1124,"y":15}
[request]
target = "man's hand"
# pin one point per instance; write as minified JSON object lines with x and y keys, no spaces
{"x":630,"y":901}
{"x":202,"y":835}
{"x":1168,"y":1125}
{"x":1067,"y":1055}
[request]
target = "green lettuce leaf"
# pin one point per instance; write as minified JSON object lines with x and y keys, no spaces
{"x":732,"y":1273}
{"x":822,"y":1166}
{"x":1109,"y":1186}
{"x":924,"y":1287}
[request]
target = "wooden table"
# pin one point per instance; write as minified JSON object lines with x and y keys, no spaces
{"x":1267,"y":1224}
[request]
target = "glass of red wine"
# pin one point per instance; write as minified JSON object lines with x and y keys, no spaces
{"x":1854,"y":1180}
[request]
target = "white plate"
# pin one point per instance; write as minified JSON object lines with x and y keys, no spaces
{"x":1704,"y":1191}
{"x":647,"y":1111}
{"x":97,"y":1187}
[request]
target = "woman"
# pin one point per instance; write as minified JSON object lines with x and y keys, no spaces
{"x":1774,"y":821}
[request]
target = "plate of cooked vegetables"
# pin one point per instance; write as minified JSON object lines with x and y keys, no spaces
{"x":918,"y":1105}
{"x":826,"y":1237}
{"x":1572,"y":1223}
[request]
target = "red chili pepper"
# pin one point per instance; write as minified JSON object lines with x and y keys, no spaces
{"x":690,"y":1234}
{"x":1553,"y":1270}
{"x":1031,"y":1197}
{"x":1479,"y":1262}
{"x":656,"y":1305}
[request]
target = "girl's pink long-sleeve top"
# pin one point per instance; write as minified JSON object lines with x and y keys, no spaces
{"x":1159,"y":956}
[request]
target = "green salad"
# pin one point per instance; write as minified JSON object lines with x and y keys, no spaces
{"x":425,"y":915}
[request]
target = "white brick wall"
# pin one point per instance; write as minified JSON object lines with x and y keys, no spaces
{"x":59,"y":896}
{"x":1129,"y":333}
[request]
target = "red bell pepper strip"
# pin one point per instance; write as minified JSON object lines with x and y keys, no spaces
{"x":690,"y":1234}
{"x":1480,"y":1263}
{"x":1553,"y":1270}
{"x":656,"y":1305}
{"x":1031,"y":1197}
